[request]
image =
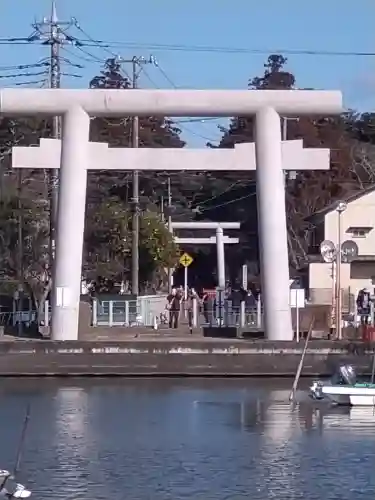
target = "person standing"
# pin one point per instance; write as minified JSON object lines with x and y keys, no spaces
{"x":237,"y":295}
{"x":191,"y":301}
{"x":174,"y":307}
{"x":364,"y":306}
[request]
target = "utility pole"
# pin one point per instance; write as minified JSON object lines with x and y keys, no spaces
{"x":135,"y":219}
{"x":170,"y":229}
{"x":55,"y":83}
{"x":20,"y":263}
{"x":137,"y":64}
{"x":50,"y":30}
{"x":162,"y":208}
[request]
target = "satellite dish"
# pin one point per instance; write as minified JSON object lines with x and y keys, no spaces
{"x":328,"y":251}
{"x":349,"y":251}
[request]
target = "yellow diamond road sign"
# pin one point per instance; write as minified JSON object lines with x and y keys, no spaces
{"x":186,"y":259}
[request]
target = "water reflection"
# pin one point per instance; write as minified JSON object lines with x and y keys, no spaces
{"x":196,"y":440}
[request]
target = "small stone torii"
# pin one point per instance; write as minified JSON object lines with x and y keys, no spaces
{"x":77,"y":106}
{"x":219,"y":240}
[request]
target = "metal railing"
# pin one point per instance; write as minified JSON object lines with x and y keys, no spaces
{"x":115,"y":312}
{"x":121,"y":312}
{"x":227,"y":315}
{"x":151,"y":311}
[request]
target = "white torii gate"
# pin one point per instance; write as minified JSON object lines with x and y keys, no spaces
{"x":294,"y":157}
{"x":77,"y":106}
{"x":219,"y":239}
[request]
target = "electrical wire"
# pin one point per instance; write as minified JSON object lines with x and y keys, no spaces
{"x":227,"y":190}
{"x":87,"y":53}
{"x":17,"y":75}
{"x":34,"y":82}
{"x":181,"y":125}
{"x":70,"y":63}
{"x":227,"y":203}
{"x":198,"y":120}
{"x":107,"y":45}
{"x":80,"y":58}
{"x":84,"y":33}
{"x":24,"y":66}
{"x":16,"y":39}
{"x":229,"y":50}
{"x":106,"y":49}
{"x":169,"y":80}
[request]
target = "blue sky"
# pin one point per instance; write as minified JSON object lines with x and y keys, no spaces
{"x":333,"y":25}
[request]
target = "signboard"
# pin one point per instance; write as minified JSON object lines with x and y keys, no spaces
{"x":297,"y":298}
{"x":186,"y":259}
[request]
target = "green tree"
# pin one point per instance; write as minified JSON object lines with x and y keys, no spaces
{"x":108,"y":243}
{"x":110,"y":220}
{"x":24,"y":214}
{"x":24,"y":256}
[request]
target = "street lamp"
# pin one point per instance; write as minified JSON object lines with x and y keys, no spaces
{"x":340,"y":209}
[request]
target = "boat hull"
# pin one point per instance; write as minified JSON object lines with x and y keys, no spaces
{"x":339,"y":399}
{"x":350,"y":395}
{"x":362,"y":400}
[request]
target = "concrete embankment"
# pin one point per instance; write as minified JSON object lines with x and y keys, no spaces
{"x":173,"y":357}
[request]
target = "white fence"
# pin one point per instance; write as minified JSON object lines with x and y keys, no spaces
{"x":122,"y":312}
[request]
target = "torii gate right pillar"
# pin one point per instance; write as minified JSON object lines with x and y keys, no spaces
{"x":273,"y":240}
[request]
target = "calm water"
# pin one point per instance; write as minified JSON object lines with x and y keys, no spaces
{"x":209,"y":440}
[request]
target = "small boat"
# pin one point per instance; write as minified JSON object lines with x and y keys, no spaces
{"x":344,"y":389}
{"x":11,"y":489}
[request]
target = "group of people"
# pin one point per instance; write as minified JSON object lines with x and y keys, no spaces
{"x":206,"y":302}
{"x":174,"y":302}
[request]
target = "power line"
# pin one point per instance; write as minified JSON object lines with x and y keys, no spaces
{"x":84,"y":33}
{"x":224,"y":204}
{"x":24,"y":66}
{"x":17,"y":75}
{"x":107,"y":45}
{"x":227,"y":190}
{"x":181,"y":123}
{"x":229,"y":50}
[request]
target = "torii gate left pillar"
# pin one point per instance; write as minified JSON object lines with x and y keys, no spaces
{"x":77,"y":106}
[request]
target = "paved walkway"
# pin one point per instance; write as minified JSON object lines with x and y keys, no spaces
{"x":118,"y":333}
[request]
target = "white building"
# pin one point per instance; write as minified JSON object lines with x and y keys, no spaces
{"x":357,"y":225}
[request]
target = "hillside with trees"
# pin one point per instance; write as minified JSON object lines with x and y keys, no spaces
{"x":352,"y":165}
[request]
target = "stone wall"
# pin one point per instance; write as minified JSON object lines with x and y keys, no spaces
{"x":179,"y":358}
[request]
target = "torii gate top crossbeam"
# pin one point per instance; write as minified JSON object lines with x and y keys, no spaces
{"x":112,"y":102}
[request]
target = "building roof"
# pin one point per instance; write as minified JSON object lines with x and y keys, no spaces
{"x":320,"y":214}
{"x":361,"y":151}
